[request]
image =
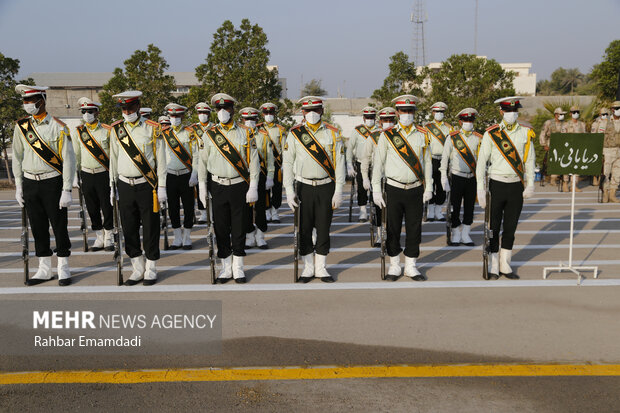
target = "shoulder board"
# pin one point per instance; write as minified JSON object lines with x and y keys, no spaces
{"x":263,"y":131}
{"x":188,"y":128}
{"x":330,"y":127}
{"x":24,"y":118}
{"x":104,"y":126}
{"x":492,"y":127}
{"x":421,"y":129}
{"x":478,"y":134}
{"x":166,"y":127}
{"x":152,"y":123}
{"x":448,"y":125}
{"x":260,"y":125}
{"x":456,"y":132}
{"x":242,"y":126}
{"x":59,"y":121}
{"x":116,"y":123}
{"x":282,"y":128}
{"x":525,"y":124}
{"x":299,"y":125}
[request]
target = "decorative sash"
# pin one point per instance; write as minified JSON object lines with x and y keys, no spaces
{"x":93,"y":147}
{"x":436,"y":132}
{"x":463,"y":149}
{"x":363,"y":130}
{"x":135,"y":154}
{"x":375,"y":136}
{"x":38,"y":145}
{"x":405,"y":151}
{"x":175,"y":146}
{"x":507,"y":148}
{"x":199,"y":132}
{"x":314,"y":149}
{"x":277,"y":157}
{"x":229,"y":152}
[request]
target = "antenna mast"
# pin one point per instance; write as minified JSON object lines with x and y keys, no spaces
{"x":418,"y":18}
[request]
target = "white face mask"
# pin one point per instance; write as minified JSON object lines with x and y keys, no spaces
{"x":575,"y":115}
{"x":387,"y":125}
{"x":604,"y":117}
{"x":369,"y":122}
{"x":31,"y":108}
{"x":269,"y":118}
{"x":617,"y":112}
{"x":250,"y":123}
{"x":312,"y":118}
{"x":88,"y":117}
{"x":131,"y":118}
{"x":406,"y":119}
{"x":438,"y":116}
{"x":203,"y":118}
{"x":468,"y":126}
{"x":560,"y":117}
{"x":175,"y":120}
{"x":223,"y":115}
{"x":510,"y":117}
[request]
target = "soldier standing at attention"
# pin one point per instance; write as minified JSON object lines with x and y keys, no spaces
{"x":138,"y":168}
{"x":182,"y":174}
{"x":611,"y":154}
{"x":438,"y":131}
{"x":44,"y":167}
{"x":146,"y":113}
{"x":92,"y":159}
{"x":403,"y":156}
{"x":230,"y":156}
{"x":509,"y":149}
{"x":555,"y":125}
{"x":314,"y":174}
{"x":277,"y":133}
{"x":204,"y":124}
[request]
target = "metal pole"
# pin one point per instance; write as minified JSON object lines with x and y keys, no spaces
{"x":572,"y":223}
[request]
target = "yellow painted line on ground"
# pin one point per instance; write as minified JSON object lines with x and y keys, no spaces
{"x":306,"y":373}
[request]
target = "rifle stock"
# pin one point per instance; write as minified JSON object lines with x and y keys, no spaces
{"x":296,"y":239}
{"x":448,"y":219}
{"x":351,"y":199}
{"x":383,"y":233}
{"x":82,"y":214}
{"x":488,"y":234}
{"x":25,"y":240}
{"x":164,"y":225}
{"x":210,"y":239}
{"x":118,"y":249}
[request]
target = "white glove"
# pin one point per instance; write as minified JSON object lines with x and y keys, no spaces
{"x":290,"y":199}
{"x":65,"y":199}
{"x":336,"y":199}
{"x":19,"y":195}
{"x":252,"y":195}
{"x":202,"y":191}
{"x":268,"y":183}
{"x":377,"y":198}
{"x":366,"y":183}
{"x":529,"y":192}
{"x":350,"y":170}
{"x":193,"y":179}
{"x":162,"y":194}
{"x":75,"y":181}
{"x":428,"y":195}
{"x":482,"y":198}
{"x":445,"y":184}
{"x":113,"y":196}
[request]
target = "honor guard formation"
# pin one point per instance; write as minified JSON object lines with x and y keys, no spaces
{"x":134,"y":176}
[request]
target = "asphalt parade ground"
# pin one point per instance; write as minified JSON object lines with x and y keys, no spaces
{"x":453,"y":343}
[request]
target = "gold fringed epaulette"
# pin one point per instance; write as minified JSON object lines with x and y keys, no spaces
{"x":492,"y":127}
{"x":330,"y":127}
{"x":299,"y":125}
{"x":59,"y":121}
{"x":478,"y":134}
{"x":116,"y":123}
{"x":421,"y":129}
{"x":152,"y":123}
{"x":106,"y":126}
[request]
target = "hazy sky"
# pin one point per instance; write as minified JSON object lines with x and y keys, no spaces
{"x":344,"y":43}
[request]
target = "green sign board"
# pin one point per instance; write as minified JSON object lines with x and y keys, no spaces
{"x":575,"y":153}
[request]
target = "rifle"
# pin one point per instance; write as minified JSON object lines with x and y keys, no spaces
{"x":448,"y":220}
{"x":488,"y":233}
{"x":425,"y":212}
{"x":25,"y":240}
{"x":351,"y":199}
{"x":164,"y":225}
{"x":210,"y":239}
{"x":543,"y":170}
{"x":118,"y":248}
{"x":383,"y":233}
{"x":371,"y":220}
{"x":296,"y":239}
{"x":82,"y":214}
{"x":601,"y":188}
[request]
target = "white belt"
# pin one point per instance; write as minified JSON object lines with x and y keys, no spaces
{"x":436,"y":157}
{"x":505,"y":178}
{"x":40,"y":177}
{"x":313,"y":182}
{"x":93,"y":171}
{"x":179,"y":172}
{"x":227,"y":181}
{"x":132,"y":181}
{"x":463,"y":174}
{"x":400,"y":185}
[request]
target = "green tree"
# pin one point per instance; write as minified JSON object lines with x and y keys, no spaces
{"x":313,"y":88}
{"x":144,"y":71}
{"x":10,"y":106}
{"x":402,"y":79}
{"x":605,"y":74}
{"x":469,"y":81}
{"x":237,"y":65}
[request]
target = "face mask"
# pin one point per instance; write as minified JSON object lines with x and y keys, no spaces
{"x":387,"y":125}
{"x":438,"y":116}
{"x":312,"y":118}
{"x":468,"y":126}
{"x":406,"y":119}
{"x":510,"y":117}
{"x":269,"y":118}
{"x":223,"y":116}
{"x":131,"y":118}
{"x":575,"y":115}
{"x":617,"y":112}
{"x":175,"y":120}
{"x":31,"y":108}
{"x":560,"y":117}
{"x":88,"y":117}
{"x":203,"y":118}
{"x":250,"y":123}
{"x":369,"y":122}
{"x":604,"y":117}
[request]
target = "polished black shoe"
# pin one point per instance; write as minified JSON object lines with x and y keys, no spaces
{"x":377,"y":245}
{"x":430,"y":219}
{"x":391,"y":277}
{"x":241,"y":280}
{"x":247,"y":247}
{"x":131,"y":282}
{"x":110,"y":248}
{"x":329,"y":279}
{"x":469,"y":244}
{"x":95,"y":249}
{"x":418,"y":278}
{"x":493,"y":276}
{"x":511,"y":276}
{"x":148,"y":283}
{"x":174,"y":247}
{"x":187,"y":247}
{"x":35,"y":281}
{"x":275,"y":221}
{"x":202,"y":222}
{"x":64,"y":282}
{"x":222,"y":280}
{"x":305,"y":280}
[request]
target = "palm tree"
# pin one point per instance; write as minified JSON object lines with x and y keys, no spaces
{"x":572,"y":78}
